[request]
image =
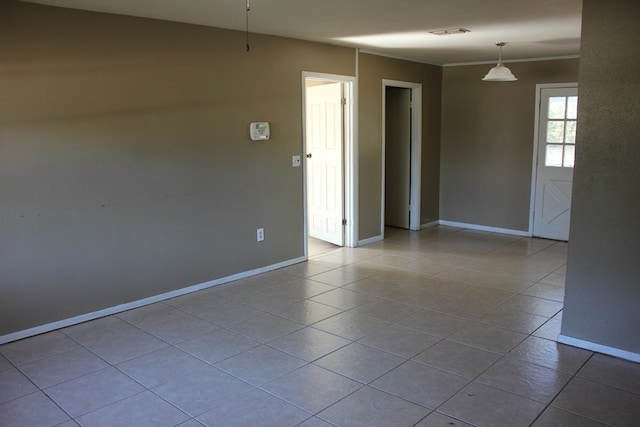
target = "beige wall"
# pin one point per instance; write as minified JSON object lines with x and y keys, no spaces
{"x":372,"y":70}
{"x":126,"y":170}
{"x":487,"y":142}
{"x":603,"y":273}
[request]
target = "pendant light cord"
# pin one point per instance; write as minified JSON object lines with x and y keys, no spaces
{"x":247,"y":21}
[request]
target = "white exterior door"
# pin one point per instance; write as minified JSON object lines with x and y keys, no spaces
{"x":324,"y":133}
{"x":555,"y":159}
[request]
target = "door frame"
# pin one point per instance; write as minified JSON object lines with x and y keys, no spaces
{"x":536,"y":135}
{"x":350,"y":158}
{"x":416,"y":151}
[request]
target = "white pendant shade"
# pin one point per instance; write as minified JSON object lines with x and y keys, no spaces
{"x":500,"y":73}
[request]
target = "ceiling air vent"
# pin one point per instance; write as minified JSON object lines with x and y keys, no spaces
{"x":450,"y":31}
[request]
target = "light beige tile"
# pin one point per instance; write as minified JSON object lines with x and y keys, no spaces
{"x":260,"y":365}
{"x":217,"y":345}
{"x":312,"y":388}
{"x":306,"y":312}
{"x":436,"y":419}
{"x":344,"y":299}
{"x":525,"y":379}
{"x":309,"y":343}
{"x":385,"y":310}
{"x":126,"y":344}
{"x":554,"y":417}
{"x":459,"y":359}
{"x":90,"y":392}
{"x":550,"y":330}
{"x":308,"y":269}
{"x":254,"y":408}
{"x":265,"y":327}
{"x":434,"y":323}
{"x":179,"y":328}
{"x":541,"y":290}
{"x":161,"y":366}
{"x":481,"y":405}
{"x":228,"y":313}
{"x":61,"y":367}
{"x":100,"y":329}
{"x":489,"y":338}
{"x":4,"y":363}
{"x":38,"y":347}
{"x":533,"y":305}
{"x":360,"y":362}
{"x":338,"y":277}
{"x":551,"y":354}
{"x":372,"y":408}
{"x":350,"y":326}
{"x":14,"y":384}
{"x":201,"y":391}
{"x":314,"y":422}
{"x":301,"y":289}
{"x":516,"y":321}
{"x":557,"y":278}
{"x":599,"y":402}
{"x":144,"y":409}
{"x":420,"y":384}
{"x":404,"y":342}
{"x":612,"y":371}
{"x":34,"y":409}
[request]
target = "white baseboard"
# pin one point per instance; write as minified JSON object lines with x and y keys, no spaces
{"x":429,"y":224}
{"x":14,"y":336}
{"x":485,"y":228}
{"x":588,"y":345}
{"x":370,"y":240}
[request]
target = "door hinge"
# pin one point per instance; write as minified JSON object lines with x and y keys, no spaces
{"x":344,"y":101}
{"x":344,"y":222}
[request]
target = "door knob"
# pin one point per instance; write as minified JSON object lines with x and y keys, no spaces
{"x":308,"y":155}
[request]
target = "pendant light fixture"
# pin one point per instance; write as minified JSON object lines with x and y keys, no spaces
{"x":500,"y":73}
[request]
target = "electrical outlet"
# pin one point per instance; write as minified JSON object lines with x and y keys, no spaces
{"x":260,"y":234}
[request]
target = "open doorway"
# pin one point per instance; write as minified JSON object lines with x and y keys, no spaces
{"x":402,"y":153}
{"x":328,"y":126}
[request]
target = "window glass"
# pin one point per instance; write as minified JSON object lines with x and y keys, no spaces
{"x":555,"y":131}
{"x":554,"y":156}
{"x":557,"y":107}
{"x":572,"y":107}
{"x":570,"y":132}
{"x":569,"y":156}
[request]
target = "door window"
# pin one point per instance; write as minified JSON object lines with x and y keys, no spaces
{"x":562,"y":114}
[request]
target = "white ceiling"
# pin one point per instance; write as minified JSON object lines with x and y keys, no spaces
{"x":533,"y":29}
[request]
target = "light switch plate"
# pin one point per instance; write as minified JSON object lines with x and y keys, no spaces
{"x":295,"y":161}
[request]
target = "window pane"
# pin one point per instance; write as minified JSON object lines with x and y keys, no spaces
{"x":572,"y":107}
{"x":554,"y":156}
{"x":569,"y":155}
{"x":556,"y":107}
{"x":570,"y":133}
{"x":555,"y":132}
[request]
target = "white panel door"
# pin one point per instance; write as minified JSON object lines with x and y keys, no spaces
{"x":324,"y":133}
{"x":556,"y":155}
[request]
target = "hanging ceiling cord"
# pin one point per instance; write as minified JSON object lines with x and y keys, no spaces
{"x":247,"y":18}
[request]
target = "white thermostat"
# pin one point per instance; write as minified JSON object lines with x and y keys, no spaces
{"x":259,"y":131}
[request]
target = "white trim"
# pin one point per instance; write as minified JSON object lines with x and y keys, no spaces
{"x":416,"y":151}
{"x":429,"y":224}
{"x":536,"y":135}
{"x":604,"y":349}
{"x":350,"y":155}
{"x":370,"y":240}
{"x":485,"y":228}
{"x":14,"y":336}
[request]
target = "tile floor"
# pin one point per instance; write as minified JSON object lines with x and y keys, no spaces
{"x":443,"y":327}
